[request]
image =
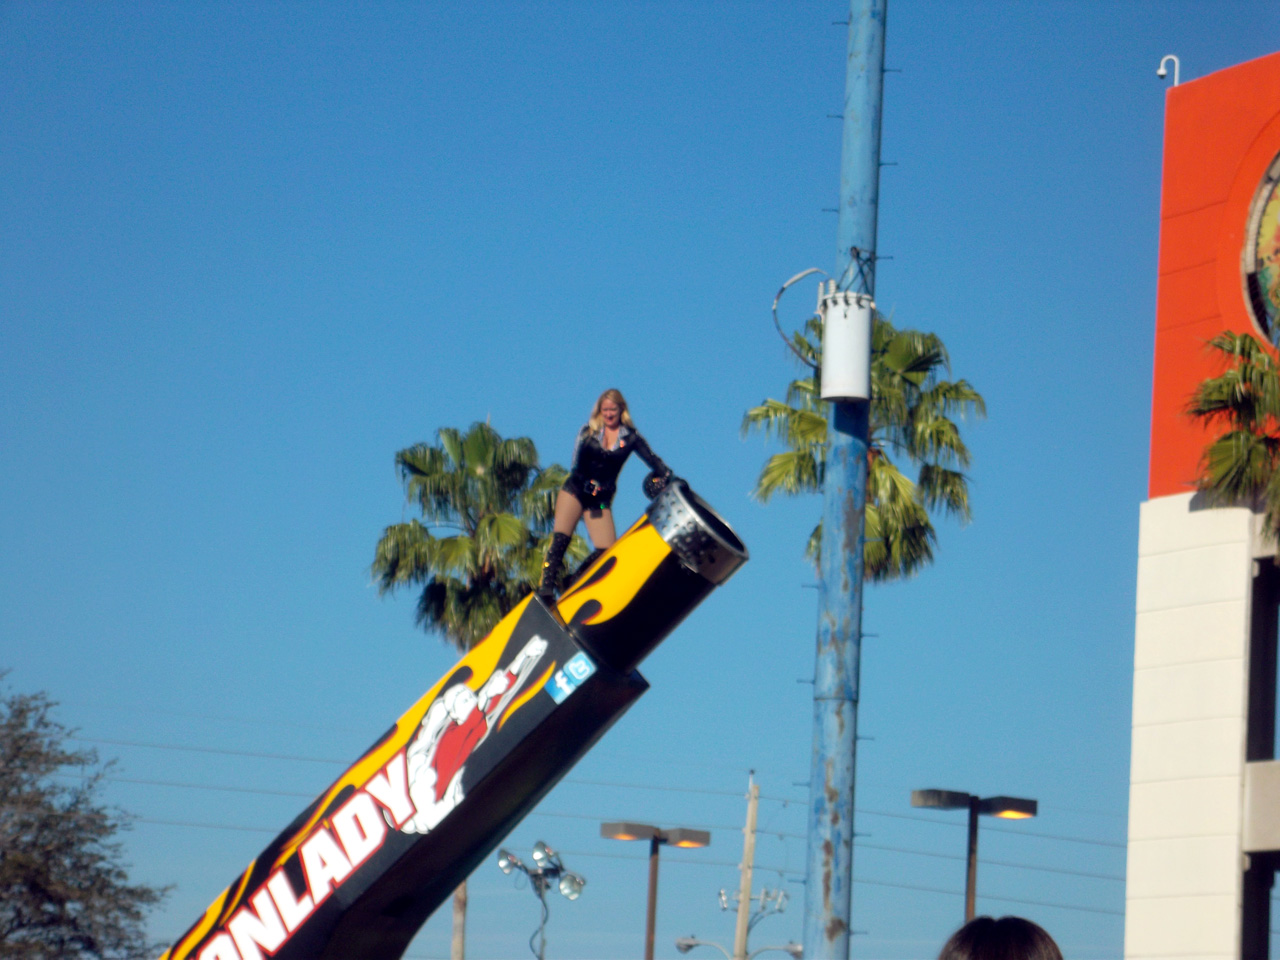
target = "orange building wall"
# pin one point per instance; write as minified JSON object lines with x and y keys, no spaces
{"x":1221,"y":133}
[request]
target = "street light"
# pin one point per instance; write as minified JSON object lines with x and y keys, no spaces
{"x":1161,"y":72}
{"x":547,"y":869}
{"x":685,"y":944}
{"x":1007,"y":808}
{"x":678,"y":837}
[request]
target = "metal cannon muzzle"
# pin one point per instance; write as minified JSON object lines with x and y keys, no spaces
{"x":705,"y":544}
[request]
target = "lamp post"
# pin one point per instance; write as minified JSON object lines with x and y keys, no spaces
{"x":1007,"y":808}
{"x":547,"y":869}
{"x":677,"y":837}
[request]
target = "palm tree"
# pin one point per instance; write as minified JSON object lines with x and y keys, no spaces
{"x":1242,"y":464}
{"x":911,"y":418}
{"x":499,"y":505}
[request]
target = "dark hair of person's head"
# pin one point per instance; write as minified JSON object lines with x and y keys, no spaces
{"x":1009,"y":938}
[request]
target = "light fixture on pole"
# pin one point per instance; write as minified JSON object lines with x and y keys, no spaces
{"x":770,"y":902}
{"x":547,"y":869}
{"x":685,"y":944}
{"x":1007,"y":808}
{"x":677,"y":837}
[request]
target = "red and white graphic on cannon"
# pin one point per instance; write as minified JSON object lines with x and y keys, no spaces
{"x":454,"y":726}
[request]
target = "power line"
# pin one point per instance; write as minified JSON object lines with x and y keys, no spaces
{"x":152,"y":711}
{"x":330,"y":760}
{"x":653,"y":786}
{"x":668,"y":858}
{"x":697,"y":826}
{"x":1086,"y":812}
{"x":308,"y":796}
{"x":593,"y":818}
{"x":995,"y":863}
{"x":600,"y":783}
{"x":785,"y":801}
{"x":861,"y":845}
{"x":582,"y":816}
{"x":557,"y":814}
{"x":310,"y":726}
{"x":991,"y":896}
{"x":1010,"y":830}
{"x":201,"y":826}
{"x":574,"y":853}
{"x":202,"y":786}
{"x":215,"y":750}
{"x":700,"y":861}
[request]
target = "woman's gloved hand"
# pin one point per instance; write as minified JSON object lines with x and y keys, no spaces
{"x":655,"y":483}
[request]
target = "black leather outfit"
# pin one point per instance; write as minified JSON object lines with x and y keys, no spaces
{"x":593,"y":479}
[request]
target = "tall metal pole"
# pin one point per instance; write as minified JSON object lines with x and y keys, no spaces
{"x":971,"y":862}
{"x":651,"y":913}
{"x":540,"y":887}
{"x":828,"y":890}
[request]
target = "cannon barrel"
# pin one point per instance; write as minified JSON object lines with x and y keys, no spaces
{"x":358,"y":872}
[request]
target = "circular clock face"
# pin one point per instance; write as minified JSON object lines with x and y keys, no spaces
{"x":1261,"y":259}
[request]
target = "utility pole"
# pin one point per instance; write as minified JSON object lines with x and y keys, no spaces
{"x":748,"y":864}
{"x":829,"y":874}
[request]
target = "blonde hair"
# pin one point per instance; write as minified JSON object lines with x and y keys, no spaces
{"x":597,"y":421}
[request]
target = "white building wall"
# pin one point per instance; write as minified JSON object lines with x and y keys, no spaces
{"x":1190,"y":703}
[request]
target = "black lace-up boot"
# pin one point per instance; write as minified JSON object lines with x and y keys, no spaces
{"x":551,"y":564}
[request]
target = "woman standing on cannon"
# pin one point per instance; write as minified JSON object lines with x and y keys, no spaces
{"x":604,"y":443}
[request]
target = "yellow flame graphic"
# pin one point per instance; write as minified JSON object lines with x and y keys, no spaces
{"x":529,"y":694}
{"x":636,"y":555}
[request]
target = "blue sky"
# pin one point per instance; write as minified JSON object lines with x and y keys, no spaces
{"x":250,"y":251}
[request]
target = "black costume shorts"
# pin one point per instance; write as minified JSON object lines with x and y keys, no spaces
{"x":590,"y":493}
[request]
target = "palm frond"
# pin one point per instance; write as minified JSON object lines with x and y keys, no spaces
{"x":890,"y":488}
{"x":1239,"y":465}
{"x":795,"y":427}
{"x":538,"y":499}
{"x":899,"y":549}
{"x":516,"y":451}
{"x":913,"y":357}
{"x":403,"y":555}
{"x":946,"y":489}
{"x":497,"y":534}
{"x":805,"y":393}
{"x":456,"y":556}
{"x":913,"y":415}
{"x":935,"y":439}
{"x":491,"y":491}
{"x":450,"y":440}
{"x":954,"y":398}
{"x":791,"y":472}
{"x":813,"y":546}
